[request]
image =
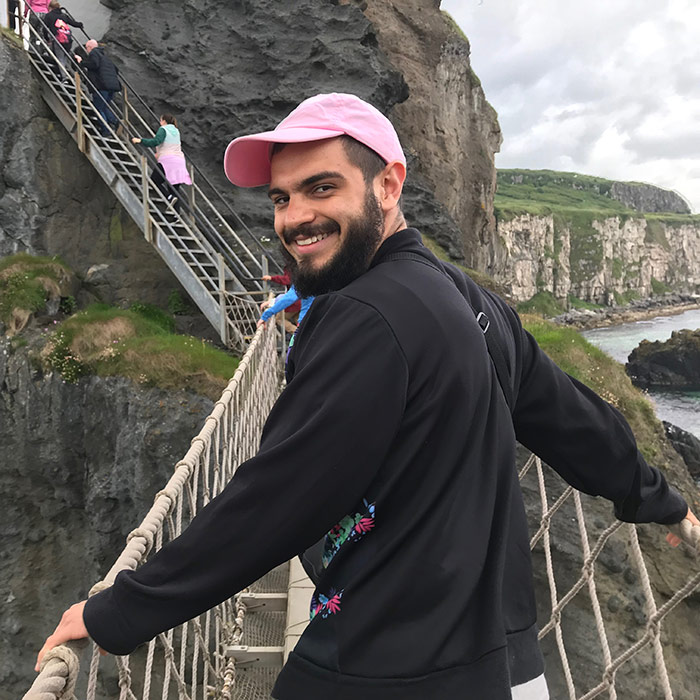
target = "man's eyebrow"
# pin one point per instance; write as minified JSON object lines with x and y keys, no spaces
{"x":325,"y":175}
{"x":312,"y":179}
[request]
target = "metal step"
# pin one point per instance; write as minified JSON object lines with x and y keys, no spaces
{"x":256,"y":657}
{"x":268,"y":602}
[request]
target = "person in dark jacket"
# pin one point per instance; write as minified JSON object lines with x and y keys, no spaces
{"x":393,"y":444}
{"x":104,"y":82}
{"x":57,"y":21}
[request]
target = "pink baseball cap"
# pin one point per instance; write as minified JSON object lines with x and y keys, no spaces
{"x":247,"y":158}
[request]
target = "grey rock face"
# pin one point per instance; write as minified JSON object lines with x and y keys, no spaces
{"x":687,"y":446}
{"x":648,"y":198}
{"x":227,"y":69}
{"x":445,"y":120}
{"x":79,"y":467}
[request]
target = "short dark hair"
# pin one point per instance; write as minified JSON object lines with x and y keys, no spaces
{"x":169,"y":119}
{"x":368,"y":161}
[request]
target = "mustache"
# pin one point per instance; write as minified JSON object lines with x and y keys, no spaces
{"x":308,"y":230}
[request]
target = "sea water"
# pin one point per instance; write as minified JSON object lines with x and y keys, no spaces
{"x":682,"y":408}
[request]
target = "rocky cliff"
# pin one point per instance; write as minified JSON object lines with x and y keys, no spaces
{"x":227,"y":69}
{"x":601,"y":260}
{"x":81,"y":464}
{"x":648,"y":198}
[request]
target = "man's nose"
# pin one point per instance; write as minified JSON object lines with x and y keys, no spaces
{"x":298,"y":211}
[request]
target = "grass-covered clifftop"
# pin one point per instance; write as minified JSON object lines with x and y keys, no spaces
{"x":138,"y":342}
{"x":579,"y":199}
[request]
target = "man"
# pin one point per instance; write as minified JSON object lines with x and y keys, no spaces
{"x":395,"y":439}
{"x":104,"y":83}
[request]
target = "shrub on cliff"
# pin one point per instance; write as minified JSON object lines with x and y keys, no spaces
{"x":541,"y":304}
{"x":29,"y":284}
{"x":107,"y":341}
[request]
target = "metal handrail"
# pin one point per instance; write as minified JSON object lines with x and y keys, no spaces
{"x":135,"y":181}
{"x":202,"y":217}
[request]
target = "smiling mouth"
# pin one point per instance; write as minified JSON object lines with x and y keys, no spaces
{"x":311,"y":239}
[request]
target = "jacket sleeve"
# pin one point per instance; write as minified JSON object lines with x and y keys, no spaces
{"x":69,"y":19}
{"x":322,"y":445}
{"x":281,"y":302}
{"x":281,"y":279}
{"x":588,"y":441}
{"x":156,"y":140}
{"x":91,"y":63}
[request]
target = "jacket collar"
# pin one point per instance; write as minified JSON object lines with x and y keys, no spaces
{"x":404,"y":240}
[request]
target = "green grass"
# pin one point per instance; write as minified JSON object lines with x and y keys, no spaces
{"x":542,"y":192}
{"x":576,"y":303}
{"x":26,"y":282}
{"x":456,"y":28}
{"x":542,"y":304}
{"x":659,"y":287}
{"x":107,"y":341}
{"x":597,"y":370}
{"x":153,"y":313}
{"x":11,"y":35}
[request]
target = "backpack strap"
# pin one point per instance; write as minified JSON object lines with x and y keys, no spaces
{"x":495,"y":351}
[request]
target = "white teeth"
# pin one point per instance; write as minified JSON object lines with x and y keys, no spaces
{"x":309,"y":241}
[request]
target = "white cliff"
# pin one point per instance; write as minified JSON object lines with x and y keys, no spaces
{"x":597,"y":260}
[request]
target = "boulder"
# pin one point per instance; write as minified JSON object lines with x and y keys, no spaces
{"x":687,"y":446}
{"x":673,"y":364}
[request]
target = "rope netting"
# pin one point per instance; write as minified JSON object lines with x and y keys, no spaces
{"x":242,"y":311}
{"x":572,"y":621}
{"x":190,"y":662}
{"x":187,"y":662}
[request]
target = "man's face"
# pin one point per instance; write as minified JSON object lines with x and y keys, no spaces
{"x":327,"y":218}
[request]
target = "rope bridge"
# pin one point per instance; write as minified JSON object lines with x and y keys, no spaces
{"x":209,"y":656}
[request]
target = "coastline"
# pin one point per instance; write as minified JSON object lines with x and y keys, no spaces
{"x":668,"y":305}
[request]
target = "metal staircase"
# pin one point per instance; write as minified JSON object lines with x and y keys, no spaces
{"x":212,"y":262}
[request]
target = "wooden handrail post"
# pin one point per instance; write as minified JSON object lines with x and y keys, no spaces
{"x":79,"y":113}
{"x":191,"y":197}
{"x":125,"y":116}
{"x":223,"y":321}
{"x":145,"y":177}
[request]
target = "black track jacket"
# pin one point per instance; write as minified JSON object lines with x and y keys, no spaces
{"x":394,"y":439}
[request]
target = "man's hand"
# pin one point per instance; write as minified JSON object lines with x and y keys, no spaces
{"x":78,"y":59}
{"x":70,"y":627}
{"x":674,"y":540}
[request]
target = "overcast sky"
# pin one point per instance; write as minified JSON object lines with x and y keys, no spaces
{"x":601,"y":87}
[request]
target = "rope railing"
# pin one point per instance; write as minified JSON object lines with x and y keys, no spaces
{"x":644,"y":636}
{"x":187,"y":663}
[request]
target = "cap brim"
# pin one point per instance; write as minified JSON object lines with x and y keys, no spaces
{"x":247,"y":158}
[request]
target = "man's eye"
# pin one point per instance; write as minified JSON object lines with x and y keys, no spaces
{"x":322,"y":189}
{"x":279,"y":201}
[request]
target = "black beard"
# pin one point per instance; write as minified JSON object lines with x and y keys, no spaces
{"x":362,"y":238}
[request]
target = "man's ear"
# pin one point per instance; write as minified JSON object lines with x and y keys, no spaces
{"x":391,"y":181}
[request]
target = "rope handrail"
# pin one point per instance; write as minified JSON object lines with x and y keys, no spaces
{"x":208,"y":464}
